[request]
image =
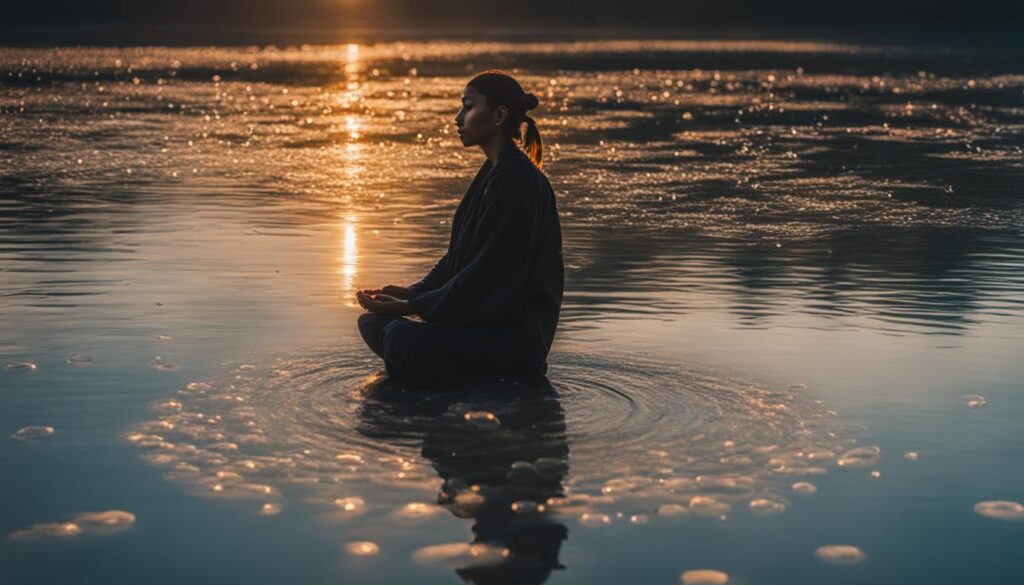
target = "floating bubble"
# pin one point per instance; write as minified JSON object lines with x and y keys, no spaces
{"x":25,"y":433}
{"x":486,"y":421}
{"x":840,"y":554}
{"x":803,"y":487}
{"x":20,"y":367}
{"x":462,"y":555}
{"x":159,"y":363}
{"x":362,"y":548}
{"x":704,"y":577}
{"x":418,"y":510}
{"x":1000,"y":510}
{"x":164,"y":337}
{"x":910,"y":456}
{"x":767,"y":506}
{"x":876,"y":474}
{"x":708,"y":506}
{"x":80,"y":359}
{"x":270,"y":509}
{"x":198,"y":386}
{"x":55,"y":529}
{"x":974,"y":400}
{"x":671,"y":510}
{"x":593,"y":519}
{"x":639,"y":519}
{"x":104,"y":522}
{"x":860,"y":457}
{"x":167,"y":406}
{"x":351,"y":505}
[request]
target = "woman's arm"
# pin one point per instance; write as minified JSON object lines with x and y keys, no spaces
{"x":490,"y":287}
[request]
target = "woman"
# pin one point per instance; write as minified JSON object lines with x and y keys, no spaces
{"x":490,"y":305}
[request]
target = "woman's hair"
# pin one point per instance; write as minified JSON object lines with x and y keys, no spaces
{"x":502,"y":90}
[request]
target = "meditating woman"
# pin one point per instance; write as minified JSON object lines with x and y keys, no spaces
{"x":490,"y":306}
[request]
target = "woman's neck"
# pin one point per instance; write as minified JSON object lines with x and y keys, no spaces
{"x":497,"y":149}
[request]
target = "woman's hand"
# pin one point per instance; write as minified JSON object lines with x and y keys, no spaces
{"x":382,"y":304}
{"x":399,"y":292}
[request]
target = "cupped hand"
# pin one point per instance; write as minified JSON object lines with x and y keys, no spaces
{"x":382,"y":304}
{"x":398,"y":292}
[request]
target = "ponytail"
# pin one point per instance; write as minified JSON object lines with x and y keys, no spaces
{"x":532,"y":144}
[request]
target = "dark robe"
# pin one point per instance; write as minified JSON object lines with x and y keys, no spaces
{"x":503,"y":269}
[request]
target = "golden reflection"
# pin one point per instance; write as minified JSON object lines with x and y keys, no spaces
{"x":349,"y":257}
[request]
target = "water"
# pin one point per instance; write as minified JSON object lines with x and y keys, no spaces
{"x":789,"y":347}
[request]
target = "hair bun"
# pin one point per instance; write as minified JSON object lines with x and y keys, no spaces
{"x":531,"y":101}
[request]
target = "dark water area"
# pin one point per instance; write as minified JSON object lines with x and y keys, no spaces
{"x":789,"y":350}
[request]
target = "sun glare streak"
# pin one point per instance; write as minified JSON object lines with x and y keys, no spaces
{"x":349,"y":258}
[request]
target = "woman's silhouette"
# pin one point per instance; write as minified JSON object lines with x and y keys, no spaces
{"x":490,"y":305}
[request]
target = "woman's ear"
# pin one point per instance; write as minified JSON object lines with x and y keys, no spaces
{"x":500,"y":113}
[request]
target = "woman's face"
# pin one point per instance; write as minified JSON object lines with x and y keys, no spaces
{"x":477,"y":122}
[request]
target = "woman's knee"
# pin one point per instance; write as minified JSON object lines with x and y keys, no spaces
{"x":371,"y":327}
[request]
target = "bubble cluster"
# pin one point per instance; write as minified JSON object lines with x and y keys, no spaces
{"x":104,"y":522}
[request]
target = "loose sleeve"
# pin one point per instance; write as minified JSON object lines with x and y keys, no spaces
{"x":437,"y":276}
{"x":490,"y":287}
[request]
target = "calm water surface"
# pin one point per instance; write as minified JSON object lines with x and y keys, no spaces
{"x":788,"y":263}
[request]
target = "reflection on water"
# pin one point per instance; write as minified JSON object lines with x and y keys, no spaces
{"x":611,"y":439}
{"x":837,"y":214}
{"x":501,"y":478}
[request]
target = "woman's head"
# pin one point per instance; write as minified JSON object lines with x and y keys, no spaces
{"x":493,"y":103}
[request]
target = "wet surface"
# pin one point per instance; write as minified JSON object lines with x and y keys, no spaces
{"x":788,"y":347}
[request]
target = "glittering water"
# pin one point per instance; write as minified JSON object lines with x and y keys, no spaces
{"x":789,"y":347}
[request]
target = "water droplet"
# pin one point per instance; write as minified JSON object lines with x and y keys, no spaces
{"x":362,"y":548}
{"x":704,"y":577}
{"x":20,"y":367}
{"x":80,"y":359}
{"x":25,"y":433}
{"x":974,"y":400}
{"x":860,"y":457}
{"x":840,"y":554}
{"x":803,"y":487}
{"x":1000,"y":510}
{"x":767,"y":506}
{"x":351,"y":505}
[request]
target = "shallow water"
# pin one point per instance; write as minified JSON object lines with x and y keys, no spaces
{"x":789,"y":347}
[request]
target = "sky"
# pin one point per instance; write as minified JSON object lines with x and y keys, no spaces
{"x":496,"y":13}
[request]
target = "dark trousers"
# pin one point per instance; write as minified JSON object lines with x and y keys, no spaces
{"x":436,"y":355}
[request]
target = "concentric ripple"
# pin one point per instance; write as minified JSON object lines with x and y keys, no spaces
{"x":611,"y":434}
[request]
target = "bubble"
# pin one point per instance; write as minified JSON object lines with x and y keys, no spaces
{"x":167,"y":406}
{"x":671,"y":510}
{"x":80,"y":359}
{"x":418,"y":510}
{"x":594,"y":519}
{"x":708,"y":506}
{"x":25,"y":433}
{"x":159,"y":363}
{"x":910,"y":456}
{"x":270,"y":509}
{"x":351,"y":505}
{"x":198,"y":386}
{"x":704,"y":577}
{"x":461,"y":554}
{"x":1000,"y":510}
{"x":766,"y":506}
{"x":840,"y":554}
{"x":103,"y":522}
{"x":20,"y":367}
{"x":806,"y":488}
{"x":974,"y":400}
{"x":860,"y":457}
{"x":639,"y":519}
{"x":164,"y":337}
{"x":362,"y":548}
{"x":876,"y":474}
{"x":486,"y":421}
